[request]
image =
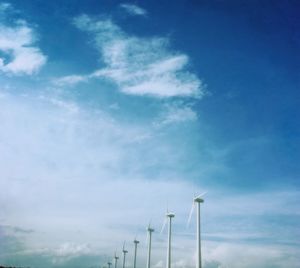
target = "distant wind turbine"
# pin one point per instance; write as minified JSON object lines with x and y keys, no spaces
{"x":135,"y":251}
{"x":116,"y":260}
{"x":169,"y":216}
{"x":124,"y":254}
{"x":150,"y":231}
{"x":197,"y":200}
{"x":109,"y":264}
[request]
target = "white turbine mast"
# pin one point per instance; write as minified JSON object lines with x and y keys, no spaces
{"x":197,"y":200}
{"x":135,"y":251}
{"x":169,"y":217}
{"x":149,"y":235}
{"x":124,"y":254}
{"x":109,"y":264}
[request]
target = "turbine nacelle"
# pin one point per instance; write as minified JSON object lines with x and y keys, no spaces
{"x":170,"y":215}
{"x":198,"y":200}
{"x":136,"y":241}
{"x":149,"y":229}
{"x":123,"y":249}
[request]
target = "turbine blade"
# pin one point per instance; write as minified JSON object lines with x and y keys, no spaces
{"x":190,"y":215}
{"x":163,"y":226}
{"x":147,"y":238}
{"x":204,"y":193}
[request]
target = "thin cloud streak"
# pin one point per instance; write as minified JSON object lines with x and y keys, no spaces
{"x":134,"y":9}
{"x":4,"y":7}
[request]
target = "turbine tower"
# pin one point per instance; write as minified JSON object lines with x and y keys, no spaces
{"x":116,"y":260}
{"x":169,"y":217}
{"x":109,"y":264}
{"x":124,"y":254}
{"x":135,"y":251}
{"x":150,"y":231}
{"x":197,"y":200}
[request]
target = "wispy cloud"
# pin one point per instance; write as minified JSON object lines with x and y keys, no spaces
{"x":4,"y":6}
{"x":16,"y":229}
{"x":134,"y":9}
{"x":176,"y":113}
{"x":225,"y":255}
{"x":70,"y":80}
{"x":137,"y":66}
{"x":71,"y":250}
{"x":18,"y":53}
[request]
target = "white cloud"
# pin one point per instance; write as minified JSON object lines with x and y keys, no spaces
{"x":70,"y":80}
{"x":176,"y":113}
{"x":159,"y":264}
{"x":19,"y":55}
{"x":246,"y":255}
{"x":138,"y":66}
{"x":71,"y":250}
{"x":4,"y":6}
{"x":134,"y":9}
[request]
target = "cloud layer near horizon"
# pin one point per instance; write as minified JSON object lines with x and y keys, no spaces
{"x":75,"y":165}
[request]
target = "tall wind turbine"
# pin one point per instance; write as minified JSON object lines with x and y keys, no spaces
{"x":150,"y":231}
{"x":116,"y":260}
{"x":169,"y":216}
{"x":197,"y":200}
{"x":124,"y":254}
{"x":109,"y":264}
{"x":135,"y":251}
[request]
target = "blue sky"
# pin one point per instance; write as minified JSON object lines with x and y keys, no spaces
{"x":113,"y":111}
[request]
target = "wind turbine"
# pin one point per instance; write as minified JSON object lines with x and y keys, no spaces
{"x":124,"y":254}
{"x":150,"y":231}
{"x":197,"y":200}
{"x":135,"y":251}
{"x":169,"y":216}
{"x":109,"y":264}
{"x":116,"y":260}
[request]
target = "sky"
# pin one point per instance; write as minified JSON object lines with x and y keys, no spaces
{"x":113,"y":112}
